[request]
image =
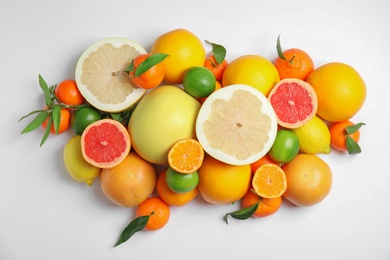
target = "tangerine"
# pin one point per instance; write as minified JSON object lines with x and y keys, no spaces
{"x":150,"y":78}
{"x":269,"y":181}
{"x":68,"y":93}
{"x":263,"y":160}
{"x":186,"y":156}
{"x":216,"y":68}
{"x":158,"y":211}
{"x":338,"y":135}
{"x":64,"y":122}
{"x":266,"y":206}
{"x":297,"y":64}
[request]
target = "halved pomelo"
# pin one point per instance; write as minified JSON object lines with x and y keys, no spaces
{"x":101,"y":77}
{"x":105,"y":143}
{"x":236,"y":125}
{"x":294,"y":101}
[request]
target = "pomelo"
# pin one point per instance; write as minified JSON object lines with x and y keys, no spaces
{"x":294,"y":101}
{"x":105,"y":143}
{"x":164,"y":116}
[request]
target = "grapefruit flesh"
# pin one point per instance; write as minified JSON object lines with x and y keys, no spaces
{"x":294,"y":101}
{"x":105,"y":143}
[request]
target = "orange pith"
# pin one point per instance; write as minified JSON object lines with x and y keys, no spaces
{"x":186,"y":156}
{"x":269,"y":181}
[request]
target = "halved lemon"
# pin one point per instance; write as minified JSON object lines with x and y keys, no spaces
{"x":236,"y":125}
{"x":101,"y":77}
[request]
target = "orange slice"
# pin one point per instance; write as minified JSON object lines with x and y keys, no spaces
{"x":186,"y":156}
{"x":269,"y":181}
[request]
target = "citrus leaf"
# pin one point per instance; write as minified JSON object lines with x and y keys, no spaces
{"x":219,"y":52}
{"x":131,"y":66}
{"x":36,"y":122}
{"x":279,"y":49}
{"x":352,"y":146}
{"x":46,"y":90}
{"x":353,"y":128}
{"x":31,"y":113}
{"x":56,"y":114}
{"x":149,"y":62}
{"x":242,"y":214}
{"x":135,"y":225}
{"x":47,"y":130}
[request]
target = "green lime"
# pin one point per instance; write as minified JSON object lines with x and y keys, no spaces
{"x":199,"y":81}
{"x":181,"y":183}
{"x":83,"y":117}
{"x":285,"y":146}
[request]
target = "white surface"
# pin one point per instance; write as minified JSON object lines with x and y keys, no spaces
{"x":46,"y":215}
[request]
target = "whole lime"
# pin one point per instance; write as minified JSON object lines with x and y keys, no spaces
{"x":199,"y":81}
{"x":285,"y":146}
{"x":83,"y":117}
{"x":181,"y":183}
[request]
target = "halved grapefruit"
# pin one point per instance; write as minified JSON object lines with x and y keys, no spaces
{"x":236,"y":125}
{"x":101,"y":77}
{"x":105,"y":143}
{"x":294,"y":101}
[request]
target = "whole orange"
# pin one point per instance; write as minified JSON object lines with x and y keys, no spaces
{"x":157,"y":210}
{"x":64,"y":122}
{"x":266,"y":206}
{"x":338,"y":135}
{"x":68,"y":93}
{"x":309,"y":180}
{"x":298,"y":64}
{"x":340,"y":90}
{"x":221,"y":183}
{"x":129,"y":183}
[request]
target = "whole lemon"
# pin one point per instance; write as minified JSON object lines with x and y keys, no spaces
{"x":76,"y":165}
{"x":314,"y":136}
{"x":252,"y":70}
{"x":164,"y":116}
{"x":340,"y":90}
{"x":185,"y":50}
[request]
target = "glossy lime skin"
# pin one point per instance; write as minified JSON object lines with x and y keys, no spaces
{"x":199,"y":82}
{"x":181,"y":183}
{"x":83,"y":117}
{"x":285,"y":147}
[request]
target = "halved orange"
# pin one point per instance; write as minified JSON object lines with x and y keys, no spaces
{"x":269,"y":181}
{"x":186,"y":156}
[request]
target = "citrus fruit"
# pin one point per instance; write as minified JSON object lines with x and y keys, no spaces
{"x":158,"y":211}
{"x":68,"y":93}
{"x":266,"y":206}
{"x":222,"y":183}
{"x":339,"y":135}
{"x":173,"y":198}
{"x":217,"y":86}
{"x":101,"y":77}
{"x":340,"y":89}
{"x":76,"y":165}
{"x":314,"y":136}
{"x":83,"y":117}
{"x":263,"y":160}
{"x":105,"y":143}
{"x":199,"y":82}
{"x":294,"y":101}
{"x":185,"y":50}
{"x":130,"y":182}
{"x":252,"y":70}
{"x":186,"y":156}
{"x":297,"y":64}
{"x":181,"y":183}
{"x":216,"y":68}
{"x":149,"y":79}
{"x":64,"y":122}
{"x":309,"y":180}
{"x":236,"y":125}
{"x":269,"y":181}
{"x":164,"y":116}
{"x":285,"y":146}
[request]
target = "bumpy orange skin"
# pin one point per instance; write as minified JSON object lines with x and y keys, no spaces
{"x":68,"y":93}
{"x":215,"y":68}
{"x":150,"y":78}
{"x":64,"y":122}
{"x":266,"y":206}
{"x":338,"y":135}
{"x":158,"y":211}
{"x":298,"y":64}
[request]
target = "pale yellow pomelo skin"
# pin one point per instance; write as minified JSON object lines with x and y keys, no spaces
{"x":164,"y":116}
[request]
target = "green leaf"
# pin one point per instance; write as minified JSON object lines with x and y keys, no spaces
{"x":352,"y":146}
{"x":46,"y":90}
{"x":353,"y":128}
{"x":279,"y":49}
{"x":47,"y":130}
{"x":149,"y":62}
{"x":242,"y":214}
{"x":31,"y":113}
{"x":56,"y":114}
{"x":135,"y":225}
{"x":219,"y":52}
{"x":116,"y":116}
{"x":131,"y":66}
{"x":36,"y":122}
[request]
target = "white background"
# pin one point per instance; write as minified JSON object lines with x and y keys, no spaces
{"x":44,"y":214}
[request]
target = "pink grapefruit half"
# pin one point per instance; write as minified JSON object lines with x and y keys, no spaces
{"x":105,"y":143}
{"x":294,"y":101}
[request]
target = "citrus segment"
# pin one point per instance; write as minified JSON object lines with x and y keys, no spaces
{"x":269,"y":181}
{"x":294,"y":101}
{"x":101,"y":77}
{"x":186,"y":156}
{"x":236,"y":124}
{"x":105,"y":143}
